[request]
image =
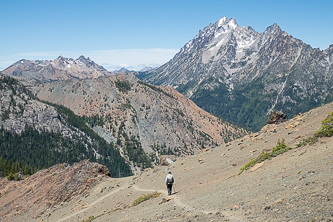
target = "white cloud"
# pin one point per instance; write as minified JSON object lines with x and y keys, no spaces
{"x":110,"y":58}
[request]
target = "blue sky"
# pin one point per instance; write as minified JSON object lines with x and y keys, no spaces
{"x":133,"y":32}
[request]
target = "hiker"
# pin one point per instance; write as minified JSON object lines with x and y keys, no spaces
{"x":169,"y":181}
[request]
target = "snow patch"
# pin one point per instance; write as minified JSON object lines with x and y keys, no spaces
{"x":221,"y":21}
{"x":217,"y":34}
{"x":245,"y":43}
{"x":233,"y":24}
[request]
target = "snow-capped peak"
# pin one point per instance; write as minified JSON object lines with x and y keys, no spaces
{"x":221,"y":21}
{"x":225,"y":22}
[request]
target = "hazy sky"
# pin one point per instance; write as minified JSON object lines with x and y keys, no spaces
{"x":133,"y":32}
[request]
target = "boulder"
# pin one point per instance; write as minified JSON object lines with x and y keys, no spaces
{"x":166,"y":160}
{"x":276,"y":117}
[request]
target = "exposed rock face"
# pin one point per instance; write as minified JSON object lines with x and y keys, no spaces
{"x":49,"y":187}
{"x":241,"y":75}
{"x":54,"y":134}
{"x":160,"y":118}
{"x":18,"y":108}
{"x":166,"y":160}
{"x":276,"y":117}
{"x":32,"y":72}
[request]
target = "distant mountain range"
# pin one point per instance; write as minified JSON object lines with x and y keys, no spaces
{"x":61,"y":68}
{"x":241,"y":75}
{"x":142,"y":120}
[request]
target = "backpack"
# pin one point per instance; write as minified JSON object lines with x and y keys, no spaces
{"x":170,"y":181}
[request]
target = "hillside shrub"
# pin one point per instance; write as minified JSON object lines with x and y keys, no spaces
{"x":90,"y":218}
{"x":325,"y":130}
{"x":280,"y":148}
{"x":145,"y":197}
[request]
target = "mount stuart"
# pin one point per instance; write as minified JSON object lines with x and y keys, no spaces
{"x":241,"y":75}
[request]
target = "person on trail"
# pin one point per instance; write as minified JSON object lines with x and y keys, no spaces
{"x":169,"y":182}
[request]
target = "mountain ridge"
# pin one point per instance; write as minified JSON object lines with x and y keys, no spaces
{"x":159,"y":117}
{"x":144,"y":121}
{"x":235,"y":67}
{"x":61,"y":68}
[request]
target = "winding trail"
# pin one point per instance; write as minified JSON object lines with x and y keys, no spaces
{"x":187,"y":207}
{"x":175,"y":198}
{"x":92,"y":204}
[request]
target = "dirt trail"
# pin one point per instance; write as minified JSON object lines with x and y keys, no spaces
{"x":177,"y":200}
{"x":174,"y":197}
{"x":91,"y":204}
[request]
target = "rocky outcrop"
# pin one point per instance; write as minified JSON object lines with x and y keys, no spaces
{"x":166,"y":160}
{"x":19,"y":108}
{"x":276,"y":117}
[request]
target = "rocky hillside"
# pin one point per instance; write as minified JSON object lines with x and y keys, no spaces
{"x":241,"y":75}
{"x":296,"y":185}
{"x":142,"y":120}
{"x":61,"y":68}
{"x":19,"y":108}
{"x":41,"y":135}
{"x":50,"y":187}
{"x":139,"y":116}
